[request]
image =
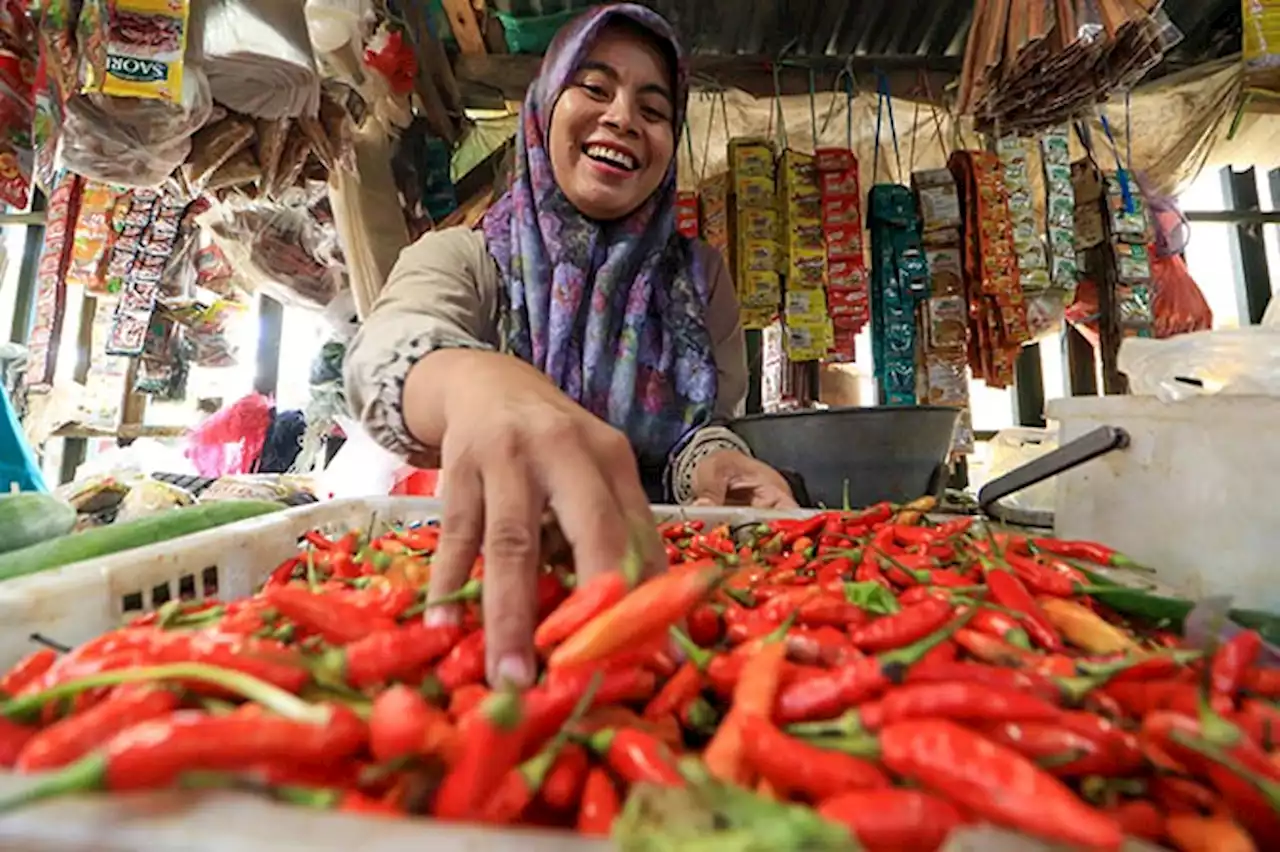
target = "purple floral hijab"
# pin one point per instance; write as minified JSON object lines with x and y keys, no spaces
{"x":612,"y":312}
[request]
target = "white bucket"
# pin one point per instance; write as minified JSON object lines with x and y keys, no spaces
{"x":1194,"y":495}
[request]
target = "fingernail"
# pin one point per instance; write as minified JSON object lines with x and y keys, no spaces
{"x":513,"y":670}
{"x":443,"y":616}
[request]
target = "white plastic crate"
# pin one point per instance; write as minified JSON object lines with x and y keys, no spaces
{"x":80,"y":602}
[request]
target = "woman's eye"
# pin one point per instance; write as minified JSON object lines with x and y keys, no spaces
{"x":595,"y":91}
{"x":655,"y":114}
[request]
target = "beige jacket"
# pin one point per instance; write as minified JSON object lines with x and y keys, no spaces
{"x":445,"y":292}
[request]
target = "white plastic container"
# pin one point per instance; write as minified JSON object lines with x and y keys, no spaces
{"x":1194,"y":495}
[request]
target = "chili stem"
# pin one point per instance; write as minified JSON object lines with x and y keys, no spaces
{"x":271,"y":697}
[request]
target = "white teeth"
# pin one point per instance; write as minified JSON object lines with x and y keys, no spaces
{"x":611,"y":155}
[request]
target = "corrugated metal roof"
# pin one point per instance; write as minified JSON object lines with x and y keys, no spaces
{"x":887,"y":28}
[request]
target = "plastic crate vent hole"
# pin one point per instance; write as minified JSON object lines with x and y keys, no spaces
{"x":131,"y":602}
{"x":160,"y":595}
{"x":209,"y":580}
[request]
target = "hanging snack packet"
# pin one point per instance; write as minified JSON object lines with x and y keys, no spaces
{"x":17,"y":104}
{"x":134,"y":48}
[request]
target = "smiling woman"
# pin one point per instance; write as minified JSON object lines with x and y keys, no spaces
{"x":573,"y":353}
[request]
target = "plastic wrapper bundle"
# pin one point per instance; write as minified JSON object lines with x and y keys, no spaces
{"x":133,"y":141}
{"x":286,"y":489}
{"x":230,"y":441}
{"x":257,"y":54}
{"x":282,"y":250}
{"x":151,"y":497}
{"x":1235,"y":362}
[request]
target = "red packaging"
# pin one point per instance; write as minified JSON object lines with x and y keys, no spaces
{"x":687,"y":213}
{"x":835,"y":160}
{"x":839,"y":183}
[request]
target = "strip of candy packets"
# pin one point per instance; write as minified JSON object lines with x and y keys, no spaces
{"x":148,"y":222}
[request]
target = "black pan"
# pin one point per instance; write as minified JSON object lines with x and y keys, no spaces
{"x":887,"y":453}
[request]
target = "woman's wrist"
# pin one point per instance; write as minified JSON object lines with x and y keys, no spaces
{"x":704,"y":443}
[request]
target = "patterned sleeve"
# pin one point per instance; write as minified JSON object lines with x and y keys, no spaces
{"x":696,"y":447}
{"x":441,"y":294}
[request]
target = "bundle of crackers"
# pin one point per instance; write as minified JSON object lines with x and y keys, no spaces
{"x":1030,"y":63}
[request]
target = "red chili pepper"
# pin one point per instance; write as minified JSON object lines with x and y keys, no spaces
{"x":650,"y":609}
{"x":676,"y":693}
{"x":1230,"y":664}
{"x":889,"y":820}
{"x":600,"y":805}
{"x":825,"y":694}
{"x":1139,"y":819}
{"x":996,"y":652}
{"x":807,"y":528}
{"x":903,"y":628}
{"x":754,"y":696}
{"x":994,"y":782}
{"x":563,"y":785}
{"x":13,"y":740}
{"x":464,"y":664}
{"x":466,"y":699}
{"x":585,"y":603}
{"x":75,"y":736}
{"x":1140,"y":698}
{"x":335,"y":619}
{"x":403,"y":724}
{"x":493,"y":738}
{"x":153,"y":753}
{"x":420,"y":538}
{"x":1261,"y":721}
{"x":1063,"y":752}
{"x":1086,"y":551}
{"x":1001,"y":678}
{"x":794,"y":766}
{"x":1000,"y":625}
{"x":550,"y":705}
{"x":27,"y":670}
{"x":283,"y":574}
{"x":392,"y":654}
{"x":516,"y":790}
{"x":1040,"y":578}
{"x":1010,"y":593}
{"x":706,"y":626}
{"x":1262,"y":683}
{"x":637,"y":757}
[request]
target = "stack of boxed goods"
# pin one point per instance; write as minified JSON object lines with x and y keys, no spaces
{"x":756,"y":219}
{"x":848,"y":300}
{"x":805,"y":316}
{"x":944,"y":315}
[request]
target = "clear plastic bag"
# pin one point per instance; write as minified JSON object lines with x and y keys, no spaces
{"x":151,"y":497}
{"x":132,"y":141}
{"x":281,"y":250}
{"x":1013,"y":448}
{"x":1236,"y":362}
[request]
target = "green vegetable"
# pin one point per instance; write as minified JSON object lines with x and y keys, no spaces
{"x":28,"y":518}
{"x":871,"y":597}
{"x":105,"y":541}
{"x":707,"y":816}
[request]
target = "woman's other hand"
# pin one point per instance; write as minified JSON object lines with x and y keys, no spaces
{"x":517,"y":446}
{"x":731,"y":478}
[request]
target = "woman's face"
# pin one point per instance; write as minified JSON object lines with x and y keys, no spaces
{"x":612,"y":136}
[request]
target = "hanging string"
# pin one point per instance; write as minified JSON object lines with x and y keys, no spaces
{"x":915,"y":131}
{"x":1128,"y":128}
{"x":777,"y":104}
{"x":850,"y":82}
{"x":937,"y":119}
{"x":688,"y":144}
{"x":813,"y":105}
{"x":884,"y":103}
{"x":724,"y":113}
{"x":706,"y":147}
{"x":1122,"y":174}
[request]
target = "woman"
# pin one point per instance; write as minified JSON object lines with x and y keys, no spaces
{"x":626,"y":336}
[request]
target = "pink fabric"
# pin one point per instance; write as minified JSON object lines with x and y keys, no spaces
{"x":230,"y":441}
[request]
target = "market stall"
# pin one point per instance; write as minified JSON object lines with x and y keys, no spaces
{"x":216,"y":607}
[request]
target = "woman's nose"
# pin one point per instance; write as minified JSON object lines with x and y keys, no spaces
{"x":620,"y":115}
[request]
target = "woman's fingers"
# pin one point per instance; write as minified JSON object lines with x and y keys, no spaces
{"x":586,"y":508}
{"x":621,"y":472}
{"x":512,"y":546}
{"x":461,"y":532}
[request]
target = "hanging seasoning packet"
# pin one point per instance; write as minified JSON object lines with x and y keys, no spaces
{"x":135,"y":47}
{"x":17,"y":104}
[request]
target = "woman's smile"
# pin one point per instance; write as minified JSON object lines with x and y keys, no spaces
{"x":612,"y":136}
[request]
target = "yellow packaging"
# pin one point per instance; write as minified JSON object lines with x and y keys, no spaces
{"x":754,"y":191}
{"x":749,"y":157}
{"x":760,"y":289}
{"x":714,"y":193}
{"x":806,"y":238}
{"x":806,"y":341}
{"x":137,"y":48}
{"x":759,"y":256}
{"x":806,"y":210}
{"x":807,"y":269}
{"x":806,"y":306}
{"x":758,"y":223}
{"x":799,"y":174}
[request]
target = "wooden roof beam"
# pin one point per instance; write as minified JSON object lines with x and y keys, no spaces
{"x":466,"y":27}
{"x":489,"y":80}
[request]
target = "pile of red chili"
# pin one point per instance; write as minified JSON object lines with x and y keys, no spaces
{"x":900,"y":677}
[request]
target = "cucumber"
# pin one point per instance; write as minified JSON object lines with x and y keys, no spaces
{"x":30,"y":518}
{"x":104,"y":541}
